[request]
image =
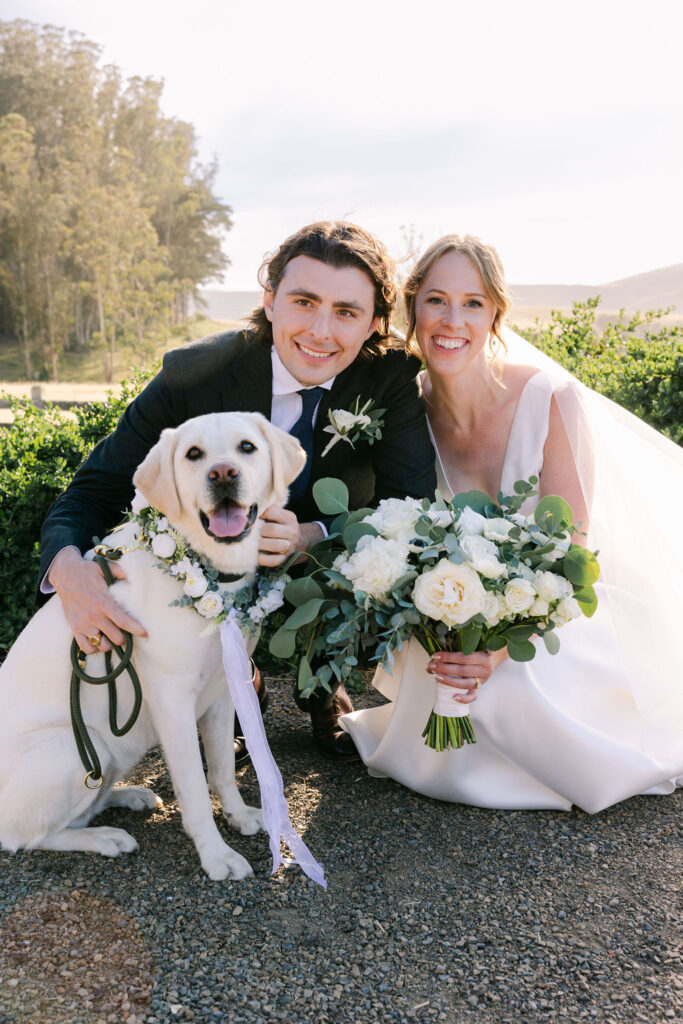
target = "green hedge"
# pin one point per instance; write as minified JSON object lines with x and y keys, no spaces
{"x":638,"y":362}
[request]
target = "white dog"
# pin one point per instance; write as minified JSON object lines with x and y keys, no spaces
{"x":212,"y":477}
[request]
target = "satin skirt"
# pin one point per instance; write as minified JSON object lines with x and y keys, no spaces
{"x":558,"y":731}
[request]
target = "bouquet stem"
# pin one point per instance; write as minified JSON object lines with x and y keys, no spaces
{"x":444,"y":730}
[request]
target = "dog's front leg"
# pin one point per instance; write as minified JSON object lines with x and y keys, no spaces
{"x":217,"y":729}
{"x":174,"y":719}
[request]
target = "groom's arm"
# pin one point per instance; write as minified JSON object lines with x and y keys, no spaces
{"x":403,"y":460}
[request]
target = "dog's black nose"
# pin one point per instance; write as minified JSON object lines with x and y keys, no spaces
{"x":223,"y":473}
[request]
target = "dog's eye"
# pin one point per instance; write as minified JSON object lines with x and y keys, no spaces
{"x":193,"y":453}
{"x":247,"y":446}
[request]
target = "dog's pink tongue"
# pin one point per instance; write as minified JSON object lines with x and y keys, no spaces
{"x":227,"y":521}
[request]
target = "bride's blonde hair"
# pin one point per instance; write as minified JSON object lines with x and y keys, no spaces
{"x":483,"y":257}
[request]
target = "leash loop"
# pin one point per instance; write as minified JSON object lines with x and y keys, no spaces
{"x":86,"y":748}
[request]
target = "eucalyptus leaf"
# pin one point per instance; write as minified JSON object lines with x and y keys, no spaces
{"x":331,"y":496}
{"x":470,"y":635}
{"x":581,"y":566}
{"x":303,"y":589}
{"x":476,"y":500}
{"x":588,"y":600}
{"x":553,"y":513}
{"x":524,"y":651}
{"x":552,"y":642}
{"x":305,"y":673}
{"x":283,"y":643}
{"x":305,"y":613}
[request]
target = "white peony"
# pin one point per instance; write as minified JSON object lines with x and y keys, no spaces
{"x":376,"y":565}
{"x":395,"y":518}
{"x":519,"y":595}
{"x":449,"y":593}
{"x":551,"y":587}
{"x":470,"y":522}
{"x":568,"y":609}
{"x":481,"y":554}
{"x":195,"y":584}
{"x":441,"y":517}
{"x":497,"y":529}
{"x":210,"y":605}
{"x":139,"y":503}
{"x":494,"y":609}
{"x":163,"y":545}
{"x":539,"y":607}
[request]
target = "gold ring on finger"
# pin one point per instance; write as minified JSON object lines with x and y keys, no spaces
{"x":477,"y":682}
{"x":286,"y":547}
{"x":95,"y":640}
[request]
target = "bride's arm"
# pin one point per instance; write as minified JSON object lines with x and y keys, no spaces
{"x":567,"y":468}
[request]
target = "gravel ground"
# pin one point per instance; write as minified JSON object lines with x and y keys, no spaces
{"x":435,"y":912}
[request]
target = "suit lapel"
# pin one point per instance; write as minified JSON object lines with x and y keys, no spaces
{"x":248,"y":384}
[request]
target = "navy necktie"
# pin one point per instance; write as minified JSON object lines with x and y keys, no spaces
{"x":303,"y":432}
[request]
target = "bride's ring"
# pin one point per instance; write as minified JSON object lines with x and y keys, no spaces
{"x":95,"y":640}
{"x":477,"y":682}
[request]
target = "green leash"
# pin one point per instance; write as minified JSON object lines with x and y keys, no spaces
{"x":86,"y":749}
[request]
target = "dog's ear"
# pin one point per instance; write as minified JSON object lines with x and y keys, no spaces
{"x":286,"y":455}
{"x":155,"y":477}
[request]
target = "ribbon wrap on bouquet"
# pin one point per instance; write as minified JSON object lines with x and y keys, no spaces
{"x":445,"y":705}
{"x":273,"y":801}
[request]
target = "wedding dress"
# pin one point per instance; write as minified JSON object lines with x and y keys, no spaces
{"x":603,"y":719}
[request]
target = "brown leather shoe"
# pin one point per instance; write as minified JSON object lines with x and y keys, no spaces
{"x":241,"y":752}
{"x":328,"y":736}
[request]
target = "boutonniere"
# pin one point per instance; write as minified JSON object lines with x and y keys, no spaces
{"x":354,"y":424}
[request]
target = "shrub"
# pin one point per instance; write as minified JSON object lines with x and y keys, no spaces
{"x":636,"y":361}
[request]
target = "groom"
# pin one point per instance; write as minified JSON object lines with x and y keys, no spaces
{"x":320,"y":341}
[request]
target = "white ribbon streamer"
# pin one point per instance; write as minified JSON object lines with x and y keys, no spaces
{"x":273,"y":800}
{"x":444,"y":703}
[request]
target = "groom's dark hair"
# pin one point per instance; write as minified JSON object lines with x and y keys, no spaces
{"x":339,"y":244}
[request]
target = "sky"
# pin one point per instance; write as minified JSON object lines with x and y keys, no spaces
{"x":552,"y":130}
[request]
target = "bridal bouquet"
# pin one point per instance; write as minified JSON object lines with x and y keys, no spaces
{"x":465,"y":575}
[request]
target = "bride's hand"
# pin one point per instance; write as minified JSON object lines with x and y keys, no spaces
{"x":465,"y":671}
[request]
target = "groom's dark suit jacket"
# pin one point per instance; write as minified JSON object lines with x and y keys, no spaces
{"x":231,"y":372}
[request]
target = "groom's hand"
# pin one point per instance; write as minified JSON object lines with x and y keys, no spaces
{"x":283,"y":534}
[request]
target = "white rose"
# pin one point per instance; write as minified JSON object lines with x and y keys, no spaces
{"x":395,"y":518}
{"x":497,"y":529}
{"x":441,"y":517}
{"x":551,"y":587}
{"x":272,"y":601}
{"x":345,"y":421}
{"x":519,"y":595}
{"x":163,"y":545}
{"x":568,"y":609}
{"x":470,"y":522}
{"x":539,"y":607}
{"x":376,"y":565}
{"x":139,"y":503}
{"x":210,"y":605}
{"x":255,"y":613}
{"x":481,"y":554}
{"x":494,"y":609}
{"x":195,"y":584}
{"x":450,"y":593}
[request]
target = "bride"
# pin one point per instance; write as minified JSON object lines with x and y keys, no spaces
{"x":602,"y":720}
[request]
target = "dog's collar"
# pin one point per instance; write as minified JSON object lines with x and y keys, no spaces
{"x":230,"y":577}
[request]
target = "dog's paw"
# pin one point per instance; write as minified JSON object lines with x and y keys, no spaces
{"x":247,"y":821}
{"x":226,"y":863}
{"x":135,"y":798}
{"x":110,"y":842}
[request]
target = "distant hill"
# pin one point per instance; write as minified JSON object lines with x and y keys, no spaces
{"x":656,"y":289}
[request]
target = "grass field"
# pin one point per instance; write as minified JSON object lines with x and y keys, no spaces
{"x":86,"y":367}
